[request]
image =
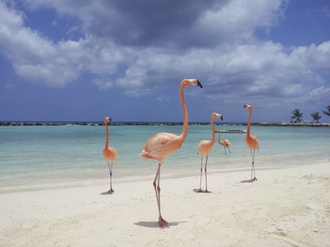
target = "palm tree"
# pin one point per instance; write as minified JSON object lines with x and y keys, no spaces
{"x":297,"y":115}
{"x":327,"y":112}
{"x":316,"y":116}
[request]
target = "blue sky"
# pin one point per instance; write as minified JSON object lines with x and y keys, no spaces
{"x":80,"y":60}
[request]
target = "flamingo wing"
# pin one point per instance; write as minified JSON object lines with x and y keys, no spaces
{"x":110,"y":153}
{"x":204,"y":147}
{"x":227,"y":142}
{"x":252,"y":142}
{"x":159,"y":146}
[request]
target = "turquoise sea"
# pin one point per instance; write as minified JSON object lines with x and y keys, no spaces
{"x":40,"y":157}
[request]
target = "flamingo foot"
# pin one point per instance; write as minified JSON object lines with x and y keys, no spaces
{"x":254,"y":179}
{"x":162,"y":223}
{"x":110,"y":192}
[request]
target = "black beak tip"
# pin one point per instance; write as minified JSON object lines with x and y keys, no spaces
{"x":221,"y":118}
{"x":199,"y":84}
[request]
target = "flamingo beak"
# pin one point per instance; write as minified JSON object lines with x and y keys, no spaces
{"x":199,"y":84}
{"x":244,"y":106}
{"x":221,"y":117}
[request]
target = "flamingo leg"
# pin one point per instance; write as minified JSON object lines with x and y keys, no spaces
{"x":253,"y":170}
{"x":111,"y":177}
{"x":110,"y":171}
{"x":161,"y":222}
{"x":200,"y":179}
{"x":205,"y":169}
{"x":229,"y":150}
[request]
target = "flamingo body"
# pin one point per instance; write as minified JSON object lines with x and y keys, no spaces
{"x":204,"y":148}
{"x":225,"y":143}
{"x":109,"y":153}
{"x":163,"y":144}
{"x":252,"y":142}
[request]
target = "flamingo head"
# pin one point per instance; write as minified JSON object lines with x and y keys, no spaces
{"x":107,"y":120}
{"x":247,"y":106}
{"x":189,"y":82}
{"x":216,"y":115}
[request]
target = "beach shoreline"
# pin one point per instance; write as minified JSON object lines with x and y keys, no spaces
{"x":120,"y":175}
{"x":100,"y":123}
{"x":286,"y":207}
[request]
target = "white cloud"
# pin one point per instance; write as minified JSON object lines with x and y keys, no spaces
{"x":103,"y":83}
{"x":10,"y":86}
{"x":237,"y":20}
{"x":34,"y":57}
{"x":214,"y":42}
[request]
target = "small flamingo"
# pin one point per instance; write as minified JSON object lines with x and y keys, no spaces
{"x":109,"y":153}
{"x":204,"y":148}
{"x":225,"y":143}
{"x":252,"y":142}
{"x":163,"y":144}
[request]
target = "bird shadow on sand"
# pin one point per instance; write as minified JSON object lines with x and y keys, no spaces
{"x":202,"y":191}
{"x":247,"y":181}
{"x":154,"y":224}
{"x":106,"y":193}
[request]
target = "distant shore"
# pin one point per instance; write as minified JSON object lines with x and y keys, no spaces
{"x":76,"y":123}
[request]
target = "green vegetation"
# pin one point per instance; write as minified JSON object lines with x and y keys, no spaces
{"x":296,"y":116}
{"x":327,"y":112}
{"x":316,"y":116}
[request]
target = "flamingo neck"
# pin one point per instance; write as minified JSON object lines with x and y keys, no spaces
{"x":106,"y":136}
{"x":249,"y":123}
{"x":213,"y":133}
{"x":219,"y":135}
{"x":185,"y":116}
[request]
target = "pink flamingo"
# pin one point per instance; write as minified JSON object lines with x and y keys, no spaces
{"x":109,"y":153}
{"x":163,"y":144}
{"x":204,"y":148}
{"x":252,"y":142}
{"x":225,"y":143}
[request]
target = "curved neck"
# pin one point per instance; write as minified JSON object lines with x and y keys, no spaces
{"x":249,"y":123}
{"x":185,"y":116}
{"x":106,"y":136}
{"x":213,"y":133}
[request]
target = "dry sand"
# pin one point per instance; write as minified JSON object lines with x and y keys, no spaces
{"x":286,"y":207}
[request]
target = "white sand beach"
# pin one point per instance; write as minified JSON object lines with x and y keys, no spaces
{"x":285,"y":207}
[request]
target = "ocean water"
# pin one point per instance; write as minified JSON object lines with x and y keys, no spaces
{"x":39,"y":157}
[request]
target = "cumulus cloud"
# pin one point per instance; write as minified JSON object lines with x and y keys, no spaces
{"x":138,"y":45}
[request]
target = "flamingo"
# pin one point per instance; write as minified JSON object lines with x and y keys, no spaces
{"x":109,"y":153}
{"x":163,"y":144}
{"x":225,"y":143}
{"x":252,"y":142}
{"x":204,"y":148}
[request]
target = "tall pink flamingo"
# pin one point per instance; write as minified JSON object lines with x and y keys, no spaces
{"x":163,"y":144}
{"x":204,"y":148}
{"x":252,"y":142}
{"x":109,"y":153}
{"x":225,"y":143}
